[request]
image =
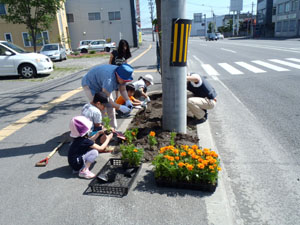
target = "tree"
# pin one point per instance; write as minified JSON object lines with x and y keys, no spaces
{"x":37,"y":15}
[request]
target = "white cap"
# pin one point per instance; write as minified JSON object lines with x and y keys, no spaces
{"x":149,"y":77}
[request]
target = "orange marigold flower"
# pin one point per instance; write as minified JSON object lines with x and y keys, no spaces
{"x":171,"y":163}
{"x":185,"y":147}
{"x":166,"y":156}
{"x":190,"y":167}
{"x":180,"y":164}
{"x":176,"y":151}
{"x":171,"y":158}
{"x":200,"y":166}
{"x":183,"y":153}
{"x":194,"y":147}
{"x":200,"y":160}
{"x":205,"y":162}
{"x":133,"y":133}
{"x":135,"y":150}
{"x":194,"y":156}
{"x":206,"y":149}
{"x":199,"y":152}
{"x":177,"y":157}
{"x":152,"y":133}
{"x":211,"y":167}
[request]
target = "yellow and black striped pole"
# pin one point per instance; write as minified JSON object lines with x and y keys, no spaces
{"x":181,"y":30}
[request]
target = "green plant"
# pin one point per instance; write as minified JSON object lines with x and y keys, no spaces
{"x":76,"y":53}
{"x":152,"y":139}
{"x":106,"y":123}
{"x":187,"y":164}
{"x":131,"y":154}
{"x":92,"y":52}
{"x":131,"y":135}
{"x":172,"y":140}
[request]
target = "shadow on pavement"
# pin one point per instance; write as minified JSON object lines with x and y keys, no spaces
{"x":148,"y":185}
{"x":62,"y":172}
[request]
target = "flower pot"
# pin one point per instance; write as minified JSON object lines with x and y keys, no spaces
{"x":199,"y":186}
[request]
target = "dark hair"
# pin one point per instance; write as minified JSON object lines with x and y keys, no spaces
{"x":130,"y":87}
{"x":100,"y":97}
{"x":121,"y":52}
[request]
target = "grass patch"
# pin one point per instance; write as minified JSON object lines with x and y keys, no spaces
{"x":94,"y":55}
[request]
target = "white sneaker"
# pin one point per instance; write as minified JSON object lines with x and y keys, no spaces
{"x":87,"y":174}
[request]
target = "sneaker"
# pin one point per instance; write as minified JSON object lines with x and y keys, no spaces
{"x":87,"y":174}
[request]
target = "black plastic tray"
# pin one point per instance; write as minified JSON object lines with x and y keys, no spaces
{"x":119,"y":181}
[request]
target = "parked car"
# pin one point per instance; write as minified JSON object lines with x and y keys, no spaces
{"x":84,"y":42}
{"x":211,"y":37}
{"x":97,"y":45}
{"x":55,"y":51}
{"x":16,"y":61}
{"x":220,"y":36}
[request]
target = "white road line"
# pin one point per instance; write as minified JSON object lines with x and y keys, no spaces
{"x":293,"y":59}
{"x":198,"y":59}
{"x":228,"y":50}
{"x":297,"y":66}
{"x":209,"y":70}
{"x":250,"y":67}
{"x":270,"y":66}
{"x":230,"y":69}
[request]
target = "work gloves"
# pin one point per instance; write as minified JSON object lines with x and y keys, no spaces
{"x":129,"y":104}
{"x":124,"y":109}
{"x":148,"y":99}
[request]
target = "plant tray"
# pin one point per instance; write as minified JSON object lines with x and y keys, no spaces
{"x":119,"y":180}
{"x":207,"y":187}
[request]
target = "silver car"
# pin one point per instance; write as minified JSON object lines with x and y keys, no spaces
{"x":56,"y":52}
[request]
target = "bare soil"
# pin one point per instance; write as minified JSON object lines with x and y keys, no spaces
{"x":150,"y":119}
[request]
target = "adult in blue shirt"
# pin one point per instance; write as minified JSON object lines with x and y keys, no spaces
{"x":108,"y":78}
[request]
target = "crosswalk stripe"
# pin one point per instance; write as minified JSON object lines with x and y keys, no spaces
{"x":209,"y":70}
{"x":250,"y":67}
{"x":293,"y":59}
{"x":297,"y":66}
{"x":270,"y":66}
{"x":230,"y":69}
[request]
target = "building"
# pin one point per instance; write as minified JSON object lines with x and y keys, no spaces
{"x":102,"y":19}
{"x":264,"y":24}
{"x":286,"y":17}
{"x":19,"y":35}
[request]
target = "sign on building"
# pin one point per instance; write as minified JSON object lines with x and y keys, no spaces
{"x":236,"y":5}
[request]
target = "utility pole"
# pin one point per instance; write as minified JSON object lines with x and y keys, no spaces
{"x":174,"y":77}
{"x":205,"y":31}
{"x":252,"y":20}
{"x":150,"y":3}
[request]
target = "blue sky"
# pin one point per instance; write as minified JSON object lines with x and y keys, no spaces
{"x":220,"y":7}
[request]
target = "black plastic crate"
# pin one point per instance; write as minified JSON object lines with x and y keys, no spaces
{"x":119,"y":180}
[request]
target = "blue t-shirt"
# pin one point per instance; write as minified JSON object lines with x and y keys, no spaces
{"x":78,"y":148}
{"x":99,"y":77}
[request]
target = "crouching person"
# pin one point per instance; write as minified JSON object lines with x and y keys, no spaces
{"x":203,"y":98}
{"x":83,"y":151}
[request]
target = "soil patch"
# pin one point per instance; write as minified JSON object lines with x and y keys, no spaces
{"x":150,"y":119}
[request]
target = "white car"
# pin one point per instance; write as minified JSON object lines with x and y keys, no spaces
{"x":55,"y":51}
{"x":97,"y":45}
{"x":220,"y":36}
{"x":16,"y":61}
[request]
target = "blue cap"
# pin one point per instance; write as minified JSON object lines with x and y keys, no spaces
{"x":125,"y":71}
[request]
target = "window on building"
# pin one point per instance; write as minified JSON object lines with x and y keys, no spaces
{"x":94,"y":16}
{"x":278,"y":27}
{"x":8,"y":37}
{"x":287,"y":7}
{"x":114,"y":15}
{"x":292,"y":25}
{"x":197,"y":17}
{"x":41,"y":39}
{"x":70,"y":17}
{"x":45,"y":37}
{"x":285,"y":26}
{"x":280,"y":8}
{"x":26,"y":39}
{"x":274,"y":11}
{"x":2,"y":9}
{"x":294,"y":5}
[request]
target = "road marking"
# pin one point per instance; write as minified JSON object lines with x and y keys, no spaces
{"x":145,"y":71}
{"x":228,"y":50}
{"x":293,"y":59}
{"x":209,"y":70}
{"x":270,"y":66}
{"x":198,"y":59}
{"x":12,"y":128}
{"x":139,"y":56}
{"x":230,"y":69}
{"x":297,"y":66}
{"x":250,"y":67}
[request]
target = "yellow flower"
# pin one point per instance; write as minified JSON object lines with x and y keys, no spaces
{"x":180,"y":164}
{"x":219,"y":169}
{"x":200,"y":166}
{"x":199,"y":152}
{"x":183,"y":153}
{"x":190,"y":167}
{"x":152,"y":134}
{"x":135,"y":150}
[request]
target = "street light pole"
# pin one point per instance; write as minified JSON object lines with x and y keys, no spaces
{"x":174,"y":77}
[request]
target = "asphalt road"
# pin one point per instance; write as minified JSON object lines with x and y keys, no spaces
{"x":255,"y":125}
{"x":254,"y":129}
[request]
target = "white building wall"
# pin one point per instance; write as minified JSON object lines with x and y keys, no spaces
{"x":84,"y":29}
